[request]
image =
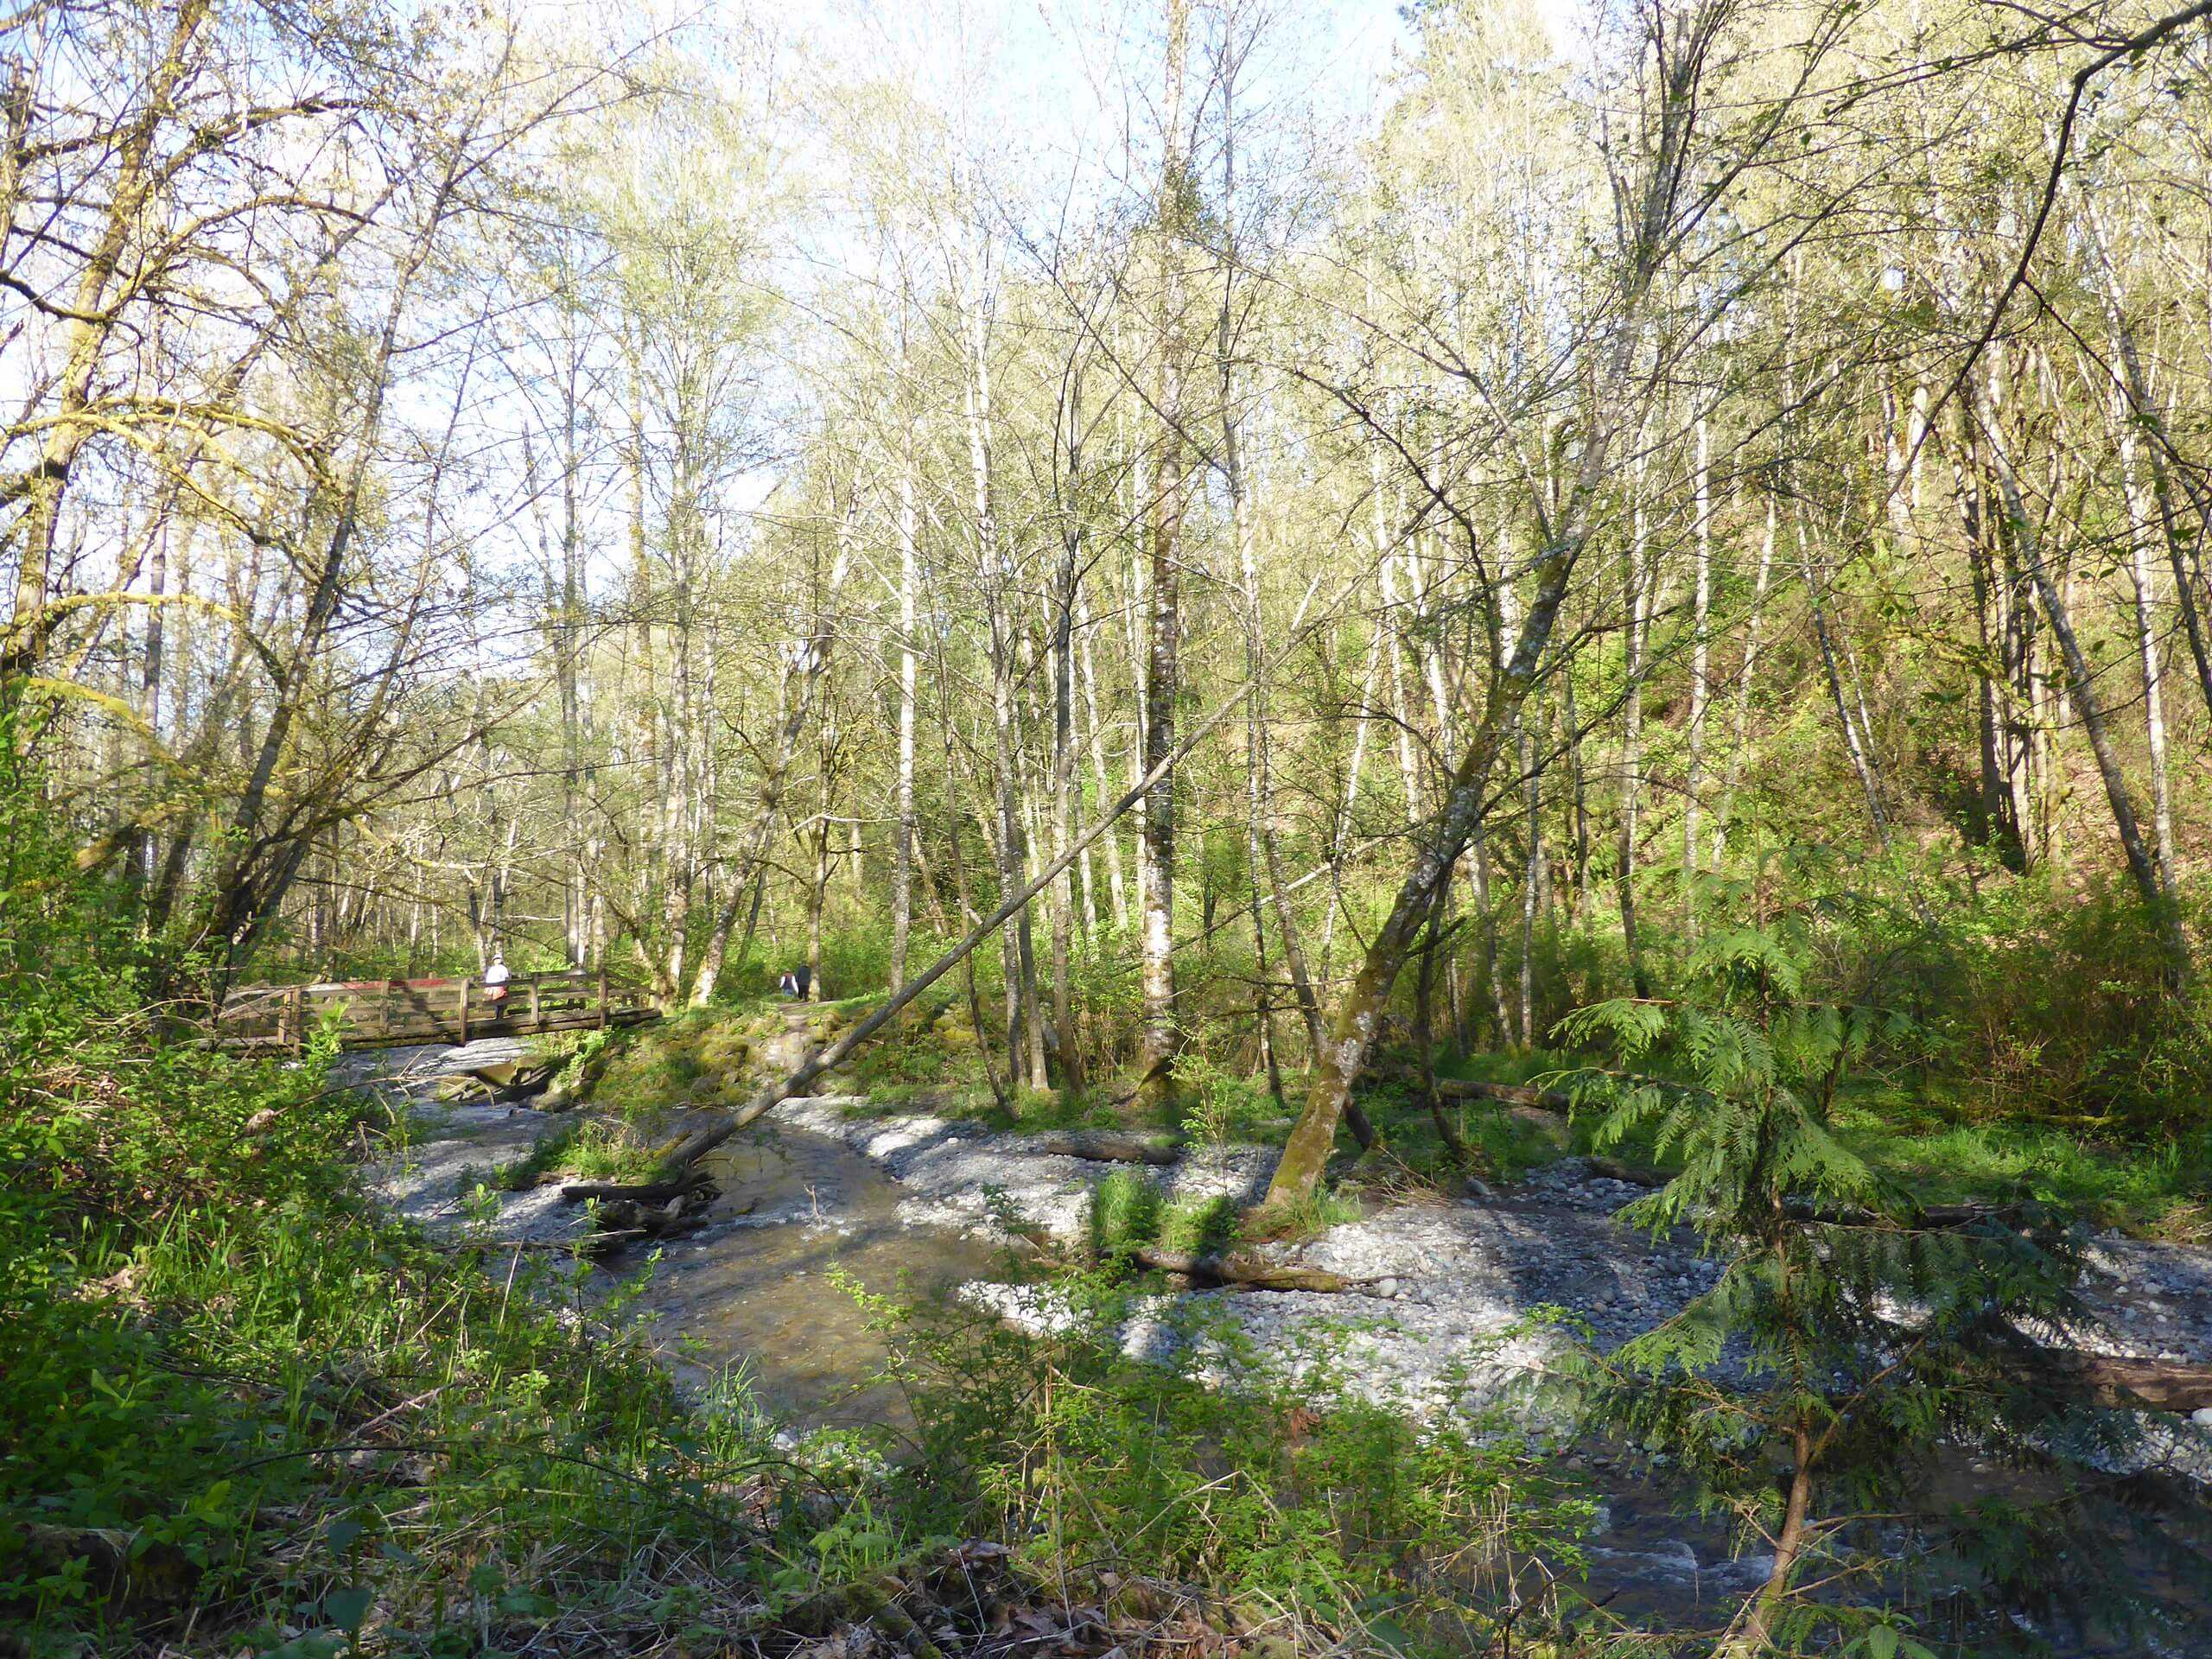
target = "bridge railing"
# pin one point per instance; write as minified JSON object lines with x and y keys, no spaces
{"x":374,"y":1012}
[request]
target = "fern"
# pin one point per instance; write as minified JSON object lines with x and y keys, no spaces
{"x":1845,"y":1351}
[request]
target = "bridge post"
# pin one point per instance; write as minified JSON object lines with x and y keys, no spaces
{"x":602,"y":996}
{"x":537,"y":1020}
{"x":464,"y":1011}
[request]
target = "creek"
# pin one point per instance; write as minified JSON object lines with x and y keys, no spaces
{"x":765,"y":1292}
{"x":818,"y":1199}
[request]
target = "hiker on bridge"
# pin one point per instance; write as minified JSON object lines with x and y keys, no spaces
{"x":496,"y":976}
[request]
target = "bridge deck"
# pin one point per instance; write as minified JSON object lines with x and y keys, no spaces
{"x":376,"y":1012}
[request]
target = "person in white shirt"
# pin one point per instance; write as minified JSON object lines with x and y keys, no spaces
{"x":496,"y":976}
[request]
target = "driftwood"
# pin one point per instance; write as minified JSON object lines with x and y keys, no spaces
{"x":683,"y":1187}
{"x":1246,"y":1272}
{"x":2158,"y":1384}
{"x":1106,"y":1146}
{"x":622,"y":1221}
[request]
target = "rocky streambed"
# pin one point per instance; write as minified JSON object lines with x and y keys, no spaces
{"x":1440,"y":1290}
{"x":1448,"y":1303}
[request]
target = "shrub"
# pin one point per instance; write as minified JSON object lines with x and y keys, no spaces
{"x":1846,"y":1347}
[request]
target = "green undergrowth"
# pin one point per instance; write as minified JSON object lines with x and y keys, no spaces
{"x":929,"y":1048}
{"x":1502,"y":1145}
{"x":1128,"y":1211}
{"x":587,"y":1148}
{"x":2157,"y":1191}
{"x":1934,"y":1141}
{"x":1302,"y":1508}
{"x":243,"y":1413}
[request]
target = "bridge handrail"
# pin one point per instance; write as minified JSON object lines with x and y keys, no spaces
{"x":398,"y":1010}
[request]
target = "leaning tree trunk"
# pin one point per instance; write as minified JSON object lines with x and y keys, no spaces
{"x":1359,"y":1014}
{"x":2145,"y":580}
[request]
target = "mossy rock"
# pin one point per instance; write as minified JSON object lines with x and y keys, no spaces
{"x":724,"y":1046}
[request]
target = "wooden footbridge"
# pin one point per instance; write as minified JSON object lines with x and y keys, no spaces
{"x":372,"y":1012}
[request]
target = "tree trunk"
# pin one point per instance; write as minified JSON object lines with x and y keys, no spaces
{"x":1063,"y":766}
{"x":1163,"y":681}
{"x":1739,"y":743}
{"x":808,"y":663}
{"x":1359,"y":1013}
{"x":1117,"y":892}
{"x":902,"y":854}
{"x":93,"y":313}
{"x":1635,"y":589}
{"x":1855,"y":741}
{"x":2150,"y":881}
{"x":1700,"y":662}
{"x":2145,"y":580}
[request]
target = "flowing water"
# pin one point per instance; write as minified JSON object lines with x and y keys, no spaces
{"x":765,"y":1294}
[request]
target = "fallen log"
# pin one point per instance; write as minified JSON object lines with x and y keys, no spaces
{"x":1246,"y":1272}
{"x":1511,"y":1094}
{"x":1925,"y":1215}
{"x":1106,"y":1147}
{"x":2155,"y":1384}
{"x":583,"y":1244}
{"x":681,"y":1186}
{"x":707,"y":1138}
{"x":1615,"y":1169}
{"x":1234,"y":1271}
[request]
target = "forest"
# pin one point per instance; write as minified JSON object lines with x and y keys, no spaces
{"x":1106,"y":827}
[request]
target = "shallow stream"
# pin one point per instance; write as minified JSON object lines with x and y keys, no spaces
{"x":807,"y":1212}
{"x":763,"y":1291}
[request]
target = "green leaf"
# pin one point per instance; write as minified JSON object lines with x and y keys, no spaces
{"x":316,"y":1644}
{"x":346,"y":1608}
